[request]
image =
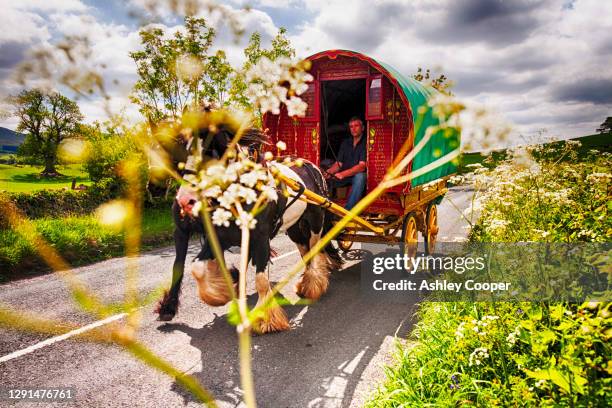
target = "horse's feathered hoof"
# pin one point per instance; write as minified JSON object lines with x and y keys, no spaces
{"x":166,"y":307}
{"x":312,"y":286}
{"x":165,"y":317}
{"x":275,"y":320}
{"x":212,"y":287}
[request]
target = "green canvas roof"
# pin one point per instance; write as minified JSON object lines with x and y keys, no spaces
{"x":440,"y":143}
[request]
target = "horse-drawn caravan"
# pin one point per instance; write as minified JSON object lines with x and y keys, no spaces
{"x":348,"y":84}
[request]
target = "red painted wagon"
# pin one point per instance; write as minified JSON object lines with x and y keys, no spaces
{"x":348,"y":84}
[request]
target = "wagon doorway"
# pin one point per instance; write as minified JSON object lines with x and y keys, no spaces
{"x":340,"y":101}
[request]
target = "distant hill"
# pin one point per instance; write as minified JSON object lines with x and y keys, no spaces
{"x":597,"y":140}
{"x":9,"y":137}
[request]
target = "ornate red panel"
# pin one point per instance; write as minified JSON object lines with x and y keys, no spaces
{"x":307,"y":136}
{"x":311,"y":97}
{"x":342,"y":68}
{"x":380,"y":142}
{"x":270,"y":125}
{"x":402,"y":133}
{"x":301,"y":135}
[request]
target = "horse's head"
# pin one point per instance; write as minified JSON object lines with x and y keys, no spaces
{"x":210,"y":135}
{"x":215,"y":140}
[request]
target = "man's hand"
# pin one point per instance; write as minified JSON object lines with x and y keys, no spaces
{"x":339,"y":175}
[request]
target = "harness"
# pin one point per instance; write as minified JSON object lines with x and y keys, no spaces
{"x":317,"y":180}
{"x":281,"y":209}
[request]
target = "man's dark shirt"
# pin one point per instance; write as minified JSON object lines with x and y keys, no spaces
{"x":350,"y":156}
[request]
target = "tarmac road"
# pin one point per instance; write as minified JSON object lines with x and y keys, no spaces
{"x":332,"y":357}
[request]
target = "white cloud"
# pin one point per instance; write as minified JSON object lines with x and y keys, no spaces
{"x":534,"y":61}
{"x":514,"y":56}
{"x":22,"y":26}
{"x":251,"y":21}
{"x":45,"y":5}
{"x":110,"y":45}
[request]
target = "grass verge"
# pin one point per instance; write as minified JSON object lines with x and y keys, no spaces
{"x":518,"y":354}
{"x":79,"y":239}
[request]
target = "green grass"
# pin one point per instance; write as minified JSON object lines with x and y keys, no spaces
{"x":478,"y":158}
{"x":26,"y":178}
{"x":157,"y":222}
{"x":79,"y":239}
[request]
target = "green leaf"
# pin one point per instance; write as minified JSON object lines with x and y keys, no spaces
{"x":547,"y":336}
{"x":556,"y":312}
{"x":535,"y":313}
{"x":564,"y":326}
{"x":233,"y":314}
{"x":559,"y":379}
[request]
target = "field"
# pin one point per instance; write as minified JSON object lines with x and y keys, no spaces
{"x":597,"y":140}
{"x":24,"y":178}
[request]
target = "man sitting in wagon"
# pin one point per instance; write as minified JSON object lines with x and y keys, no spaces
{"x":350,"y":167}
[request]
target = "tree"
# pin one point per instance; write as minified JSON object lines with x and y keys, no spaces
{"x":172,"y":70}
{"x":606,"y":126}
{"x":441,"y":83}
{"x":47,"y":119}
{"x":219,"y":74}
{"x":280,"y":47}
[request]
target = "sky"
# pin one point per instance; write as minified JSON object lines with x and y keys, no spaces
{"x":545,"y":66}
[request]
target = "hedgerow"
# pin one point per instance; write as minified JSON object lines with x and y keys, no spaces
{"x":60,"y":203}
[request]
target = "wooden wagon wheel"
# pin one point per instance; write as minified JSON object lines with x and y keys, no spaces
{"x":346,"y":244}
{"x":410,"y":239}
{"x":431,"y":228}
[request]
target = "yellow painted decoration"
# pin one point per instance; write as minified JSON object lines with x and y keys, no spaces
{"x":313,"y":135}
{"x":372,"y":137}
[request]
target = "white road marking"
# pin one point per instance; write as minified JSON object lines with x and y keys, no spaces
{"x":84,"y":329}
{"x":61,"y":337}
{"x":284,"y":255}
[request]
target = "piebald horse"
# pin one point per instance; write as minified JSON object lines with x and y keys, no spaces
{"x":304,"y":224}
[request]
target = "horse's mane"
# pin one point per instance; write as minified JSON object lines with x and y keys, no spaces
{"x":253,"y":136}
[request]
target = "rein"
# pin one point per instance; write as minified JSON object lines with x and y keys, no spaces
{"x":281,"y":210}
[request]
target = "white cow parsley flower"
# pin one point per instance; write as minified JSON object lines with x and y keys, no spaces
{"x":250,"y":178}
{"x":246,"y":219}
{"x":228,"y":199}
{"x":221,"y":217}
{"x":249,"y":195}
{"x":478,"y":355}
{"x":231,"y":172}
{"x":270,"y":192}
{"x":459,"y":332}
{"x":272,"y":83}
{"x":215,"y":171}
{"x":296,"y":107}
{"x":212,"y":192}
